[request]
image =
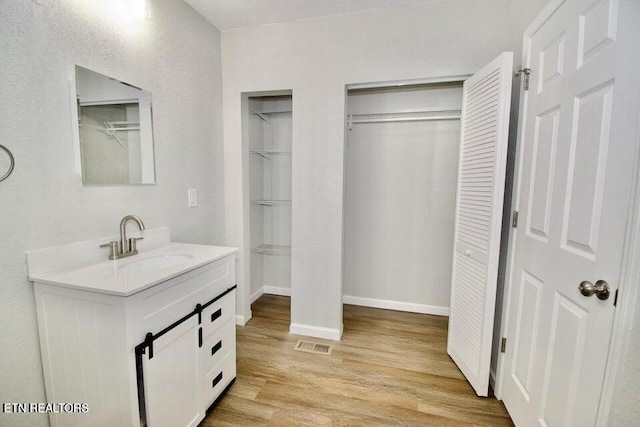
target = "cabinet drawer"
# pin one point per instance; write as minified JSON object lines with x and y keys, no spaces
{"x":218,"y":313}
{"x":218,"y":345}
{"x":219,"y":377}
{"x":164,"y":304}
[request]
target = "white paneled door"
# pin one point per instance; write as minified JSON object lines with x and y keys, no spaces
{"x":481,"y":176}
{"x":577,"y":155}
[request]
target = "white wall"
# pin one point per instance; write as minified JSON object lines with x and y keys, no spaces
{"x":175,"y":54}
{"x":316,"y":58}
{"x":400,"y":196}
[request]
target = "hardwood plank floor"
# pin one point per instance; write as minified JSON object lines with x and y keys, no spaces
{"x":390,"y":369}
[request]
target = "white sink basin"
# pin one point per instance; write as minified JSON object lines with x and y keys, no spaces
{"x":85,"y":266}
{"x":156,"y":262}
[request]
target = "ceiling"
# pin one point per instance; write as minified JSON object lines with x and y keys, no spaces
{"x":232,"y":14}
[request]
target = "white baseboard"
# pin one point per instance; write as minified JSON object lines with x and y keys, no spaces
{"x":276,"y":290}
{"x":316,"y":331}
{"x":271,"y":290}
{"x":396,"y":305}
{"x":241,"y":320}
{"x":257,"y":294}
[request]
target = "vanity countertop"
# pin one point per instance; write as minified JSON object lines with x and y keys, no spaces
{"x":121,"y":277}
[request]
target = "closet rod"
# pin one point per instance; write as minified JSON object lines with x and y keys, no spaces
{"x":405,"y":119}
{"x":404,"y":116}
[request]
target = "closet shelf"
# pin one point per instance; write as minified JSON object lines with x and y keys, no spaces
{"x":265,"y":114}
{"x":274,"y":250}
{"x":266,"y":152}
{"x":272,"y":112}
{"x":271,"y":202}
{"x":404,"y":116}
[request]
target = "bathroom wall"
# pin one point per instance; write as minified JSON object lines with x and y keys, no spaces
{"x":316,"y":58}
{"x":174,"y":54}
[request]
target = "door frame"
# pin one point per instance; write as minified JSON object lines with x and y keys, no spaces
{"x":630,"y":271}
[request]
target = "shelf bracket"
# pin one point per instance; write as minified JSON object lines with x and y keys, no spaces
{"x":260,"y":154}
{"x":263,"y":117}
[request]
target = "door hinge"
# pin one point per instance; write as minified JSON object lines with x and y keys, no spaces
{"x":526,"y":72}
{"x":615,"y":299}
{"x":514,"y":219}
{"x":503,"y":345}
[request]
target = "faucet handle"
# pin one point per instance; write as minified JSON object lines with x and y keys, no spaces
{"x":114,"y":249}
{"x":132,"y":243}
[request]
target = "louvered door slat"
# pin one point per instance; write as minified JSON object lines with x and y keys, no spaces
{"x":481,"y":175}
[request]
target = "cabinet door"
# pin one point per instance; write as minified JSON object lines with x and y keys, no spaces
{"x":172,"y":378}
{"x":481,"y":175}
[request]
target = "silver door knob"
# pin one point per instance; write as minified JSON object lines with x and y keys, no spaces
{"x":601,"y":289}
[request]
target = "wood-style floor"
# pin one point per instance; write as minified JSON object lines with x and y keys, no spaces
{"x":390,"y":369}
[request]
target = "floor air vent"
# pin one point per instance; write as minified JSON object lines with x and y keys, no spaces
{"x":313,"y":347}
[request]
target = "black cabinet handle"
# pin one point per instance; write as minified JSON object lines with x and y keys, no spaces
{"x":200,"y":337}
{"x":198,"y":310}
{"x":216,"y":314}
{"x":216,"y":380}
{"x":216,"y":347}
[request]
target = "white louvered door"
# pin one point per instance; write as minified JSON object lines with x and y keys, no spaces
{"x":481,"y":176}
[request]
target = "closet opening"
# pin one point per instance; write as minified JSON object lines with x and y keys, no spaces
{"x":267,"y":138}
{"x":401,"y":164}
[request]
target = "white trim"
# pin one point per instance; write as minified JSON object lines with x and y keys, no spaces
{"x":408,"y":82}
{"x":396,"y":305}
{"x":316,"y":331}
{"x":276,"y":290}
{"x":240,"y":320}
{"x":257,"y":294}
{"x":271,"y":290}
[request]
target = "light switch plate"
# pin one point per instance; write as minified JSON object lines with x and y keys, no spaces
{"x":192,"y":195}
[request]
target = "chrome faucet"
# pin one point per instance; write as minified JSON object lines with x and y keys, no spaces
{"x":126,"y":246}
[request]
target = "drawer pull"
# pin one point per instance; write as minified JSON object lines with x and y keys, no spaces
{"x":216,"y":347}
{"x":216,"y":380}
{"x":199,"y":311}
{"x":216,"y":314}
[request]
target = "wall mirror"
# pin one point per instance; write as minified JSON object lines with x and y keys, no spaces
{"x":114,"y":135}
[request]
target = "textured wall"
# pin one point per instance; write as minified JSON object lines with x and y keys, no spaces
{"x":316,"y":58}
{"x":174,"y":54}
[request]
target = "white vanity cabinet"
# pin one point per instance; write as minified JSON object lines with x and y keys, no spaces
{"x":159,"y":356}
{"x":185,"y":369}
